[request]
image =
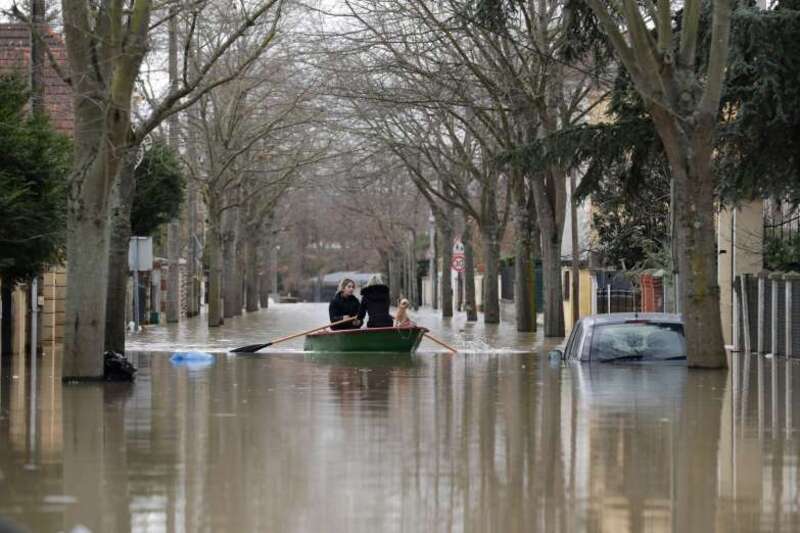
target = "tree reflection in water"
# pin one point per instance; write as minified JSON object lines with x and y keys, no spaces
{"x":477,"y":442}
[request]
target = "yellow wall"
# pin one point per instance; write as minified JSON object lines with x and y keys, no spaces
{"x":53,"y":288}
{"x":742,"y":256}
{"x":585,"y":297}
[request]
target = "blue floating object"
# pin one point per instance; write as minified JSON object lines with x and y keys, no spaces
{"x":191,"y":358}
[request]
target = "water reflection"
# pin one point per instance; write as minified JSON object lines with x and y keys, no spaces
{"x":477,"y":442}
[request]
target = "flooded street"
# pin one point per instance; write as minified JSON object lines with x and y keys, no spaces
{"x":497,"y":438}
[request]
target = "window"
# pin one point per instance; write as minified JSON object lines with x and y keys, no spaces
{"x":572,"y":352}
{"x":566,"y":285}
{"x":638,"y":341}
{"x":574,"y":341}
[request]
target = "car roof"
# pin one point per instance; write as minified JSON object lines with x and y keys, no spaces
{"x":621,"y":318}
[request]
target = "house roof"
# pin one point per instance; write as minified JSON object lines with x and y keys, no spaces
{"x":15,"y":54}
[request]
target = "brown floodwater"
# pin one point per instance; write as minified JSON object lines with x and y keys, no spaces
{"x":497,"y":438}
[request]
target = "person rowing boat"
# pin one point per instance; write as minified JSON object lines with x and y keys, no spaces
{"x":345,"y":305}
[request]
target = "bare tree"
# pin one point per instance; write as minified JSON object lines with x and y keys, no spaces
{"x":498,"y":75}
{"x":105,"y":46}
{"x":250,"y":136}
{"x":197,"y":74}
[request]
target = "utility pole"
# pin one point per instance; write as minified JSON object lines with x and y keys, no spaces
{"x":38,"y":8}
{"x":194,"y":290}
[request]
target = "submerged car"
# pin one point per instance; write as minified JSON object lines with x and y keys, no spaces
{"x":620,"y":337}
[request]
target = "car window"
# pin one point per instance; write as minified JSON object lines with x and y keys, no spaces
{"x":570,"y":341}
{"x":638,"y":341}
{"x":574,"y":341}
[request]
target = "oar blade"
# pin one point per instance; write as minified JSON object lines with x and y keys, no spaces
{"x":256,"y":347}
{"x":251,"y":348}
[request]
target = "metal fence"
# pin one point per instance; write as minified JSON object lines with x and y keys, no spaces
{"x":507,"y":281}
{"x":781,"y":242}
{"x":618,"y":300}
{"x":507,"y":278}
{"x":781,"y":220}
{"x":767,"y":314}
{"x":629,"y":292}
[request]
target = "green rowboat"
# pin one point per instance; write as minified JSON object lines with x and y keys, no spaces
{"x":392,"y":340}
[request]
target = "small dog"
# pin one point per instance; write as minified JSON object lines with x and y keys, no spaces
{"x":401,"y":319}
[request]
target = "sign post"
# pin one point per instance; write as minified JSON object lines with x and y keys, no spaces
{"x":457,"y":263}
{"x":140,"y":258}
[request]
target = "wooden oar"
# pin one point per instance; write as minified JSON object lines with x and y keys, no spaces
{"x":437,"y":341}
{"x":256,"y":347}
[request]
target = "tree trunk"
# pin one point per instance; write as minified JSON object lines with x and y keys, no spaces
{"x":265,"y":283}
{"x":229,"y":264}
{"x":228,"y":280}
{"x":491,"y":293}
{"x":213,"y":259}
{"x":87,"y":272}
{"x":524,"y":305}
{"x":251,"y":276}
{"x":239,"y":273}
{"x":194,"y":274}
{"x":120,"y":227}
{"x":445,"y":228}
{"x":395,"y":275}
{"x":173,"y":274}
{"x":434,"y":273}
{"x":91,"y":184}
{"x":576,"y":259}
{"x":550,"y":231}
{"x":173,"y":229}
{"x":413,"y":295}
{"x":101,"y":102}
{"x":689,"y":153}
{"x":191,"y":271}
{"x":469,"y":274}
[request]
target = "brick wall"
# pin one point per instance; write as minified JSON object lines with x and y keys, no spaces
{"x":15,"y":54}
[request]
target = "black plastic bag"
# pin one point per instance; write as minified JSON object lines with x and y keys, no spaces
{"x":116,"y":367}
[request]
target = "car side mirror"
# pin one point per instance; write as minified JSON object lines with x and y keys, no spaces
{"x":556,"y":354}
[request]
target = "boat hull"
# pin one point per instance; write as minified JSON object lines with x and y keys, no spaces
{"x":391,"y":340}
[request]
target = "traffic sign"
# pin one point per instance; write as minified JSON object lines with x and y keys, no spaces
{"x":457,"y":263}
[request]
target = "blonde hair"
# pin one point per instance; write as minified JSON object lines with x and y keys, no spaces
{"x":344,"y":283}
{"x":403,"y":302}
{"x":376,"y":279}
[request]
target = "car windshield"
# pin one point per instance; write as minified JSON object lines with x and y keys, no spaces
{"x":638,"y":341}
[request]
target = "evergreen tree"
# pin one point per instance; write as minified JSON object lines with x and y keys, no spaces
{"x":759,"y":138}
{"x":159,"y":190}
{"x":34,"y":163}
{"x":757,"y":142}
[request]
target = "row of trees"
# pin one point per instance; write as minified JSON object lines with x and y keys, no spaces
{"x":237,"y":137}
{"x":451,"y":89}
{"x":472,"y":111}
{"x":484,"y":103}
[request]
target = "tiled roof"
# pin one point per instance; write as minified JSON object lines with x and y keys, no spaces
{"x":15,"y":55}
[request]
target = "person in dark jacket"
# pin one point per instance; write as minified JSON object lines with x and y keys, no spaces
{"x":344,"y":305}
{"x":375,"y":303}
